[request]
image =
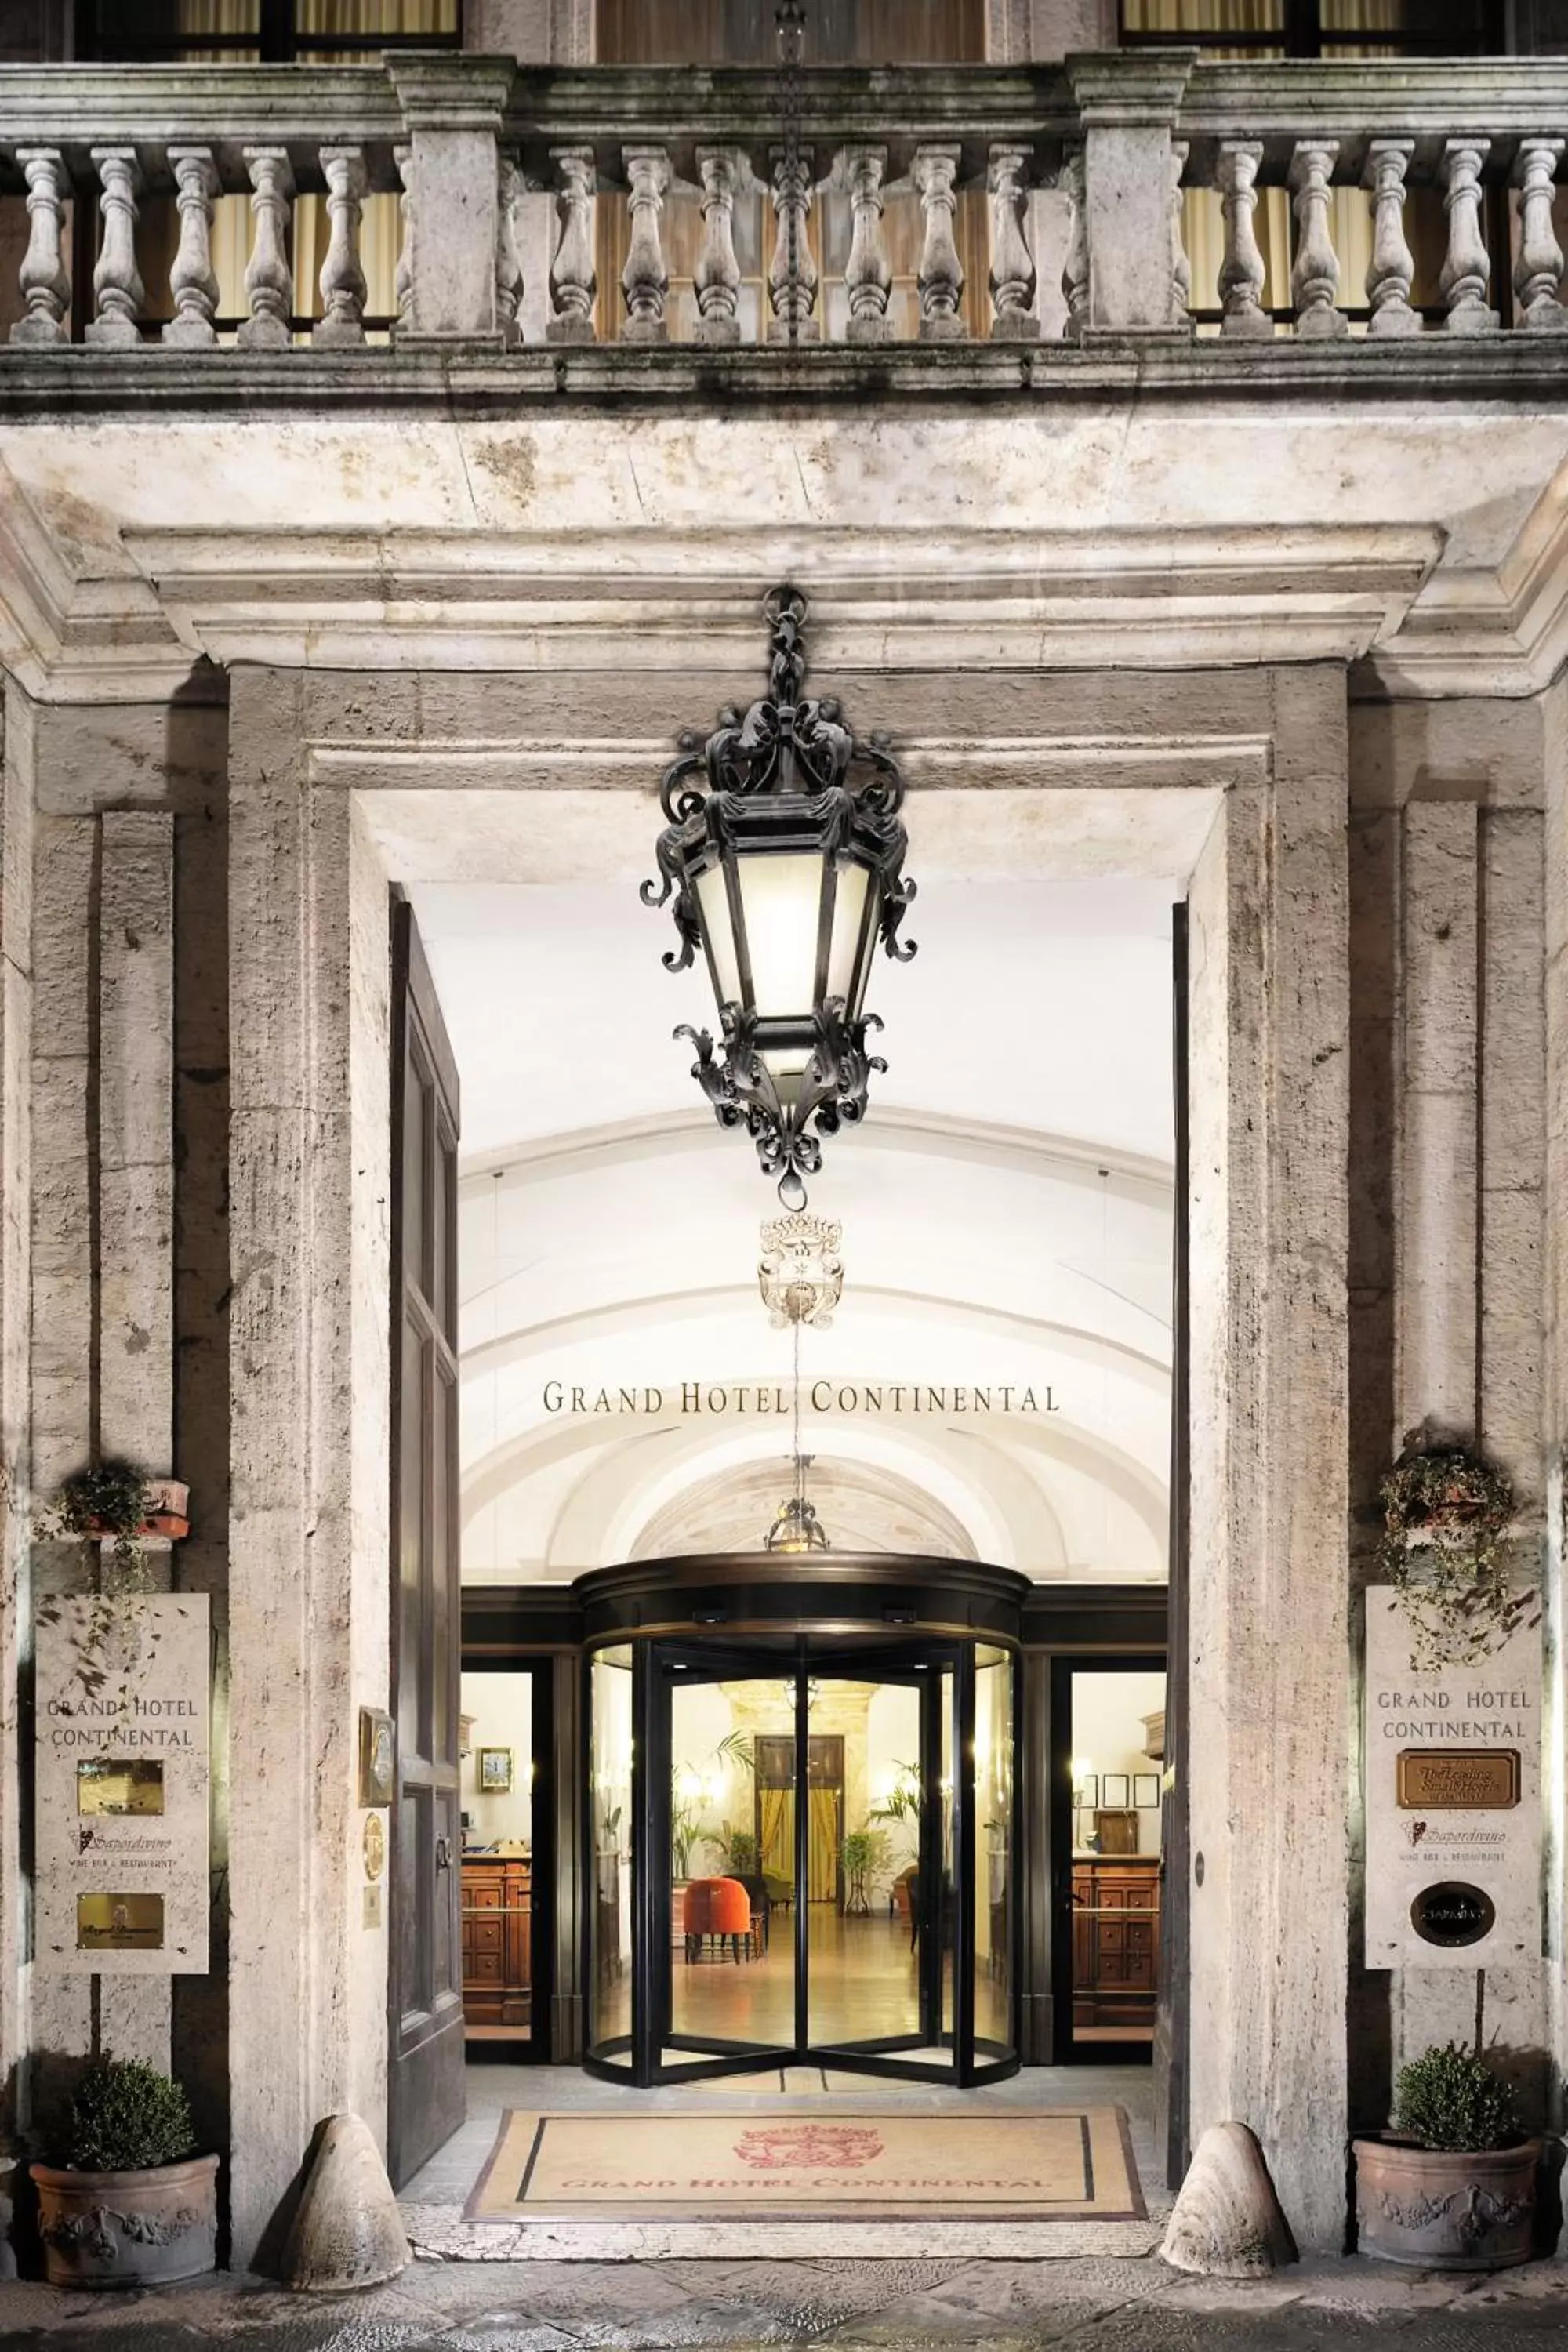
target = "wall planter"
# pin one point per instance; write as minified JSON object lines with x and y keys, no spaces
{"x":1443,"y":2210}
{"x":165,"y":1511}
{"x":144,"y":2228}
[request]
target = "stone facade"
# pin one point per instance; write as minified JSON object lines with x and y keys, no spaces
{"x":283,"y":626}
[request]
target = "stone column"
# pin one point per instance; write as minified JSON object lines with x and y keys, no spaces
{"x":1270,"y":1680}
{"x":1435,"y":1379}
{"x":136,"y":1286}
{"x":1127,"y":103}
{"x":453,"y":106}
{"x":17,"y":853}
{"x":309,"y":1337}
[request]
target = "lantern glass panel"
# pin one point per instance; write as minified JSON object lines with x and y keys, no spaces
{"x":713,"y":903}
{"x":781,"y":903}
{"x":848,"y":912}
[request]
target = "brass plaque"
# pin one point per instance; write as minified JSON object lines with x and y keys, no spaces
{"x":119,"y":1784}
{"x":375,"y":1847}
{"x":120,"y":1923}
{"x":1459,"y":1779}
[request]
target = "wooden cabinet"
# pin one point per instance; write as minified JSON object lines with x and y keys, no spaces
{"x":498,"y":1943}
{"x":1115,"y":1940}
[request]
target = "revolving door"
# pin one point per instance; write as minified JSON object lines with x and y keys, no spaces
{"x":803,"y":1852}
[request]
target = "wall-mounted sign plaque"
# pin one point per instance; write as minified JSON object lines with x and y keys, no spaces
{"x":122,"y":1714}
{"x":1452,"y":1761}
{"x":1457,"y":1779}
{"x":1452,"y":1915}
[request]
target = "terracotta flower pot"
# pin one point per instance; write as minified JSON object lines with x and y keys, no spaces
{"x":128,"y":2229}
{"x":1443,"y":2210}
{"x":168,"y":1512}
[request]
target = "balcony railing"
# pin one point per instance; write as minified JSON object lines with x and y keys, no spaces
{"x":1269,"y":202}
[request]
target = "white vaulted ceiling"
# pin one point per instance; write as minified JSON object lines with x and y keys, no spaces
{"x":1007,"y":1213}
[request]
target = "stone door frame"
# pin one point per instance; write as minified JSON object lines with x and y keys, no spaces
{"x":324,"y":768}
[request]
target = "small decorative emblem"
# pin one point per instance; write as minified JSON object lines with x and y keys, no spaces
{"x":1452,"y":1915}
{"x":800,"y":1272}
{"x":375,"y":1847}
{"x":791,"y":2148}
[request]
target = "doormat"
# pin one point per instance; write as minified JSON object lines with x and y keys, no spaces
{"x":1067,"y":2164}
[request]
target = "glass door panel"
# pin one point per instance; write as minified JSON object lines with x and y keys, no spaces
{"x":610,"y":1842}
{"x":992,"y":1882}
{"x":727,"y":1971}
{"x":1114,"y":1719}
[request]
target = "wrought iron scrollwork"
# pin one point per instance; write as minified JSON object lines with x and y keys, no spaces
{"x":845,"y":794}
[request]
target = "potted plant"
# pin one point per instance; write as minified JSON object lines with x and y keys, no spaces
{"x":738,"y":1851}
{"x":1452,"y":2185}
{"x":1445,"y":1516}
{"x":864,"y":1853}
{"x":132,"y":2204}
{"x":116,"y":1501}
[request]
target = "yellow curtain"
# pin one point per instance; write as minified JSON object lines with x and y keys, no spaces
{"x":778,"y":1832}
{"x":823,"y":1852}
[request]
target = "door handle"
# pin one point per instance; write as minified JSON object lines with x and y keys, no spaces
{"x":443,"y":1854}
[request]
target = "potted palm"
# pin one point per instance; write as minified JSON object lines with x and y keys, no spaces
{"x":865,"y":1852}
{"x":134,"y":2204}
{"x":1452,"y":2185}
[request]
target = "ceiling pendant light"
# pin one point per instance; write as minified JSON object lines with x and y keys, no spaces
{"x":784,"y":851}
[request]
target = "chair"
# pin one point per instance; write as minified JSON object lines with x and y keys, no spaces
{"x":717,"y":1910}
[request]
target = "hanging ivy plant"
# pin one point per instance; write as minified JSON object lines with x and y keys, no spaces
{"x":1446,"y":1513}
{"x":110,"y":1500}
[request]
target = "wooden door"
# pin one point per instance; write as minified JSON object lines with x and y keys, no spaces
{"x":425,"y":2089}
{"x":1172,"y":2014}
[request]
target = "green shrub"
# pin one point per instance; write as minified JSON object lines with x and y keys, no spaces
{"x":1448,"y":2099}
{"x":127,"y":2118}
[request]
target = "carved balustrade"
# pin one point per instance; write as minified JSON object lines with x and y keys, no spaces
{"x":1134,"y":197}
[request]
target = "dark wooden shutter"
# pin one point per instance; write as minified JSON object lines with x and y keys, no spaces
{"x":744,"y":33}
{"x":425,"y":2093}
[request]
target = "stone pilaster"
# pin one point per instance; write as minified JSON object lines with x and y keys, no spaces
{"x":1127,"y":104}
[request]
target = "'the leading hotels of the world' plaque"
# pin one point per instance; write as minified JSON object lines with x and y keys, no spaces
{"x":1453,"y":1802}
{"x":122,"y":1710}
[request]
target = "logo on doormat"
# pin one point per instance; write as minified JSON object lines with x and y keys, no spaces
{"x":785,"y":2147}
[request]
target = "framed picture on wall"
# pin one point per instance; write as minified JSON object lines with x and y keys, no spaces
{"x":494,"y":1771}
{"x":1115,"y":1790}
{"x":1085,"y":1792}
{"x":1146,"y":1791}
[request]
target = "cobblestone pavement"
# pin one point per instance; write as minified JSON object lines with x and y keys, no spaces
{"x":1125,"y":2306}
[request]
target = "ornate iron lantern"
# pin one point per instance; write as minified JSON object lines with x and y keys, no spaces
{"x":784,"y":851}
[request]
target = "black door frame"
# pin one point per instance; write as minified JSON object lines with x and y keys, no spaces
{"x":540,"y":1667}
{"x":1065,"y":2051}
{"x":920,"y":1662}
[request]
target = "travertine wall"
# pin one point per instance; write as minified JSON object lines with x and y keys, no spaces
{"x":193,"y":1101}
{"x":1448,"y":1171}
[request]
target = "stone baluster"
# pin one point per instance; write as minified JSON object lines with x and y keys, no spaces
{"x":868,"y":273}
{"x":193,"y":281}
{"x":403,"y":275}
{"x":1013,"y":320}
{"x":572,"y":284}
{"x":46,"y":289}
{"x":344,"y":289}
{"x":1393,"y":265}
{"x":268,"y":280}
{"x":116,"y":286}
{"x":791,"y":278}
{"x":1180,"y":267}
{"x":940,"y":270}
{"x":1314,"y":280}
{"x":1075,"y":260}
{"x":1467,"y":267}
{"x":509,"y":260}
{"x":717,"y":275}
{"x":1538,"y":272}
{"x":1241,"y":271}
{"x":645,"y":279}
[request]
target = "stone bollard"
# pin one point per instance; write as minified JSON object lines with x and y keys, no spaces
{"x":348,"y":2232}
{"x":1226,"y":2222}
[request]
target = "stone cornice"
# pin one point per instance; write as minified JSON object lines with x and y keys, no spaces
{"x":1117,"y":87}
